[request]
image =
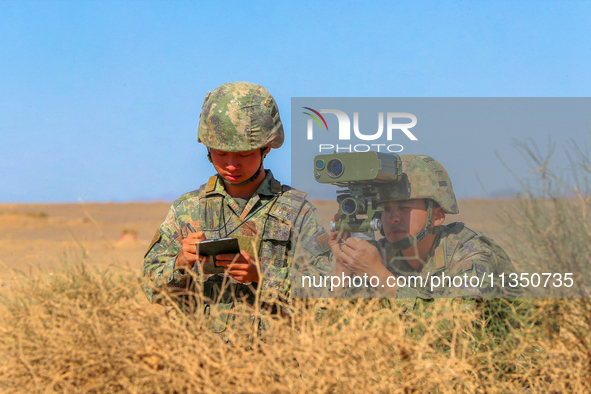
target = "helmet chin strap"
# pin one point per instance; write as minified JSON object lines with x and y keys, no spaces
{"x":251,"y":179}
{"x":407,"y":242}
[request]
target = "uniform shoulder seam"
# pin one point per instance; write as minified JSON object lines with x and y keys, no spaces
{"x":455,"y":241}
{"x":475,"y":233}
{"x":192,"y":194}
{"x":286,"y":189}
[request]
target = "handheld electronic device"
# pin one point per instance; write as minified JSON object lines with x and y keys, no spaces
{"x":213,"y":247}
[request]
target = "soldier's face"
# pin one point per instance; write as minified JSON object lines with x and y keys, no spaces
{"x":403,"y":218}
{"x":236,"y":167}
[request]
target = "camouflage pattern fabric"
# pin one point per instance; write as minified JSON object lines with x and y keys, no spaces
{"x":423,"y":177}
{"x":277,"y":222}
{"x":239,"y":117}
{"x":458,"y":250}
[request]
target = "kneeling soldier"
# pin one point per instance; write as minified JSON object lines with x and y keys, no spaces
{"x":239,"y":124}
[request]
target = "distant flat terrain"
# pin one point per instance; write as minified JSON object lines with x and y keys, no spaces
{"x":38,"y":237}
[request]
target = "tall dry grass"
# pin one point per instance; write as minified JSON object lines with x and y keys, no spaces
{"x":84,"y":330}
{"x":550,"y":221}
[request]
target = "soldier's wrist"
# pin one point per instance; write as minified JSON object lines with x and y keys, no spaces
{"x":180,"y":265}
{"x":177,"y":276}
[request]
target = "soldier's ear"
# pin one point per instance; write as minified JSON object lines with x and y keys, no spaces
{"x":265,"y":151}
{"x":438,"y":216}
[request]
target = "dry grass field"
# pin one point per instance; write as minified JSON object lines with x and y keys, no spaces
{"x":73,"y":320}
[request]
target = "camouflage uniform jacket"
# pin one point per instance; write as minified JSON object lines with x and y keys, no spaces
{"x":458,"y":251}
{"x":275,"y":222}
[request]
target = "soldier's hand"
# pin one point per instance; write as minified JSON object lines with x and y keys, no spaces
{"x":337,"y":237}
{"x":361,"y":257}
{"x":188,"y":255}
{"x":242,"y":266}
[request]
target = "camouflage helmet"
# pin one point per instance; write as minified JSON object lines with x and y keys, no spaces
{"x":423,"y":177}
{"x":239,"y":117}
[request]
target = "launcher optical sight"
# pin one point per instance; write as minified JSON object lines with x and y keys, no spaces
{"x":361,"y":173}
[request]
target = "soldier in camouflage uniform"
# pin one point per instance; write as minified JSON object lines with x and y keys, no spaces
{"x":417,"y":243}
{"x":276,"y":226}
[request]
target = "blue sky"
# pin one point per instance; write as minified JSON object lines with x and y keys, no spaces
{"x":99,"y":100}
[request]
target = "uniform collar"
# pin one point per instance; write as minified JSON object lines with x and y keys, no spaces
{"x":436,"y":259}
{"x":269,"y":186}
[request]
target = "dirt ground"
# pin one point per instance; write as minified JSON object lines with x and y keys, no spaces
{"x":41,"y":237}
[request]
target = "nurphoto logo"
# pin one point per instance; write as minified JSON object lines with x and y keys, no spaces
{"x":344,"y":131}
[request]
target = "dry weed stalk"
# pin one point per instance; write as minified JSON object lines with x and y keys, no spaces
{"x":84,"y":330}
